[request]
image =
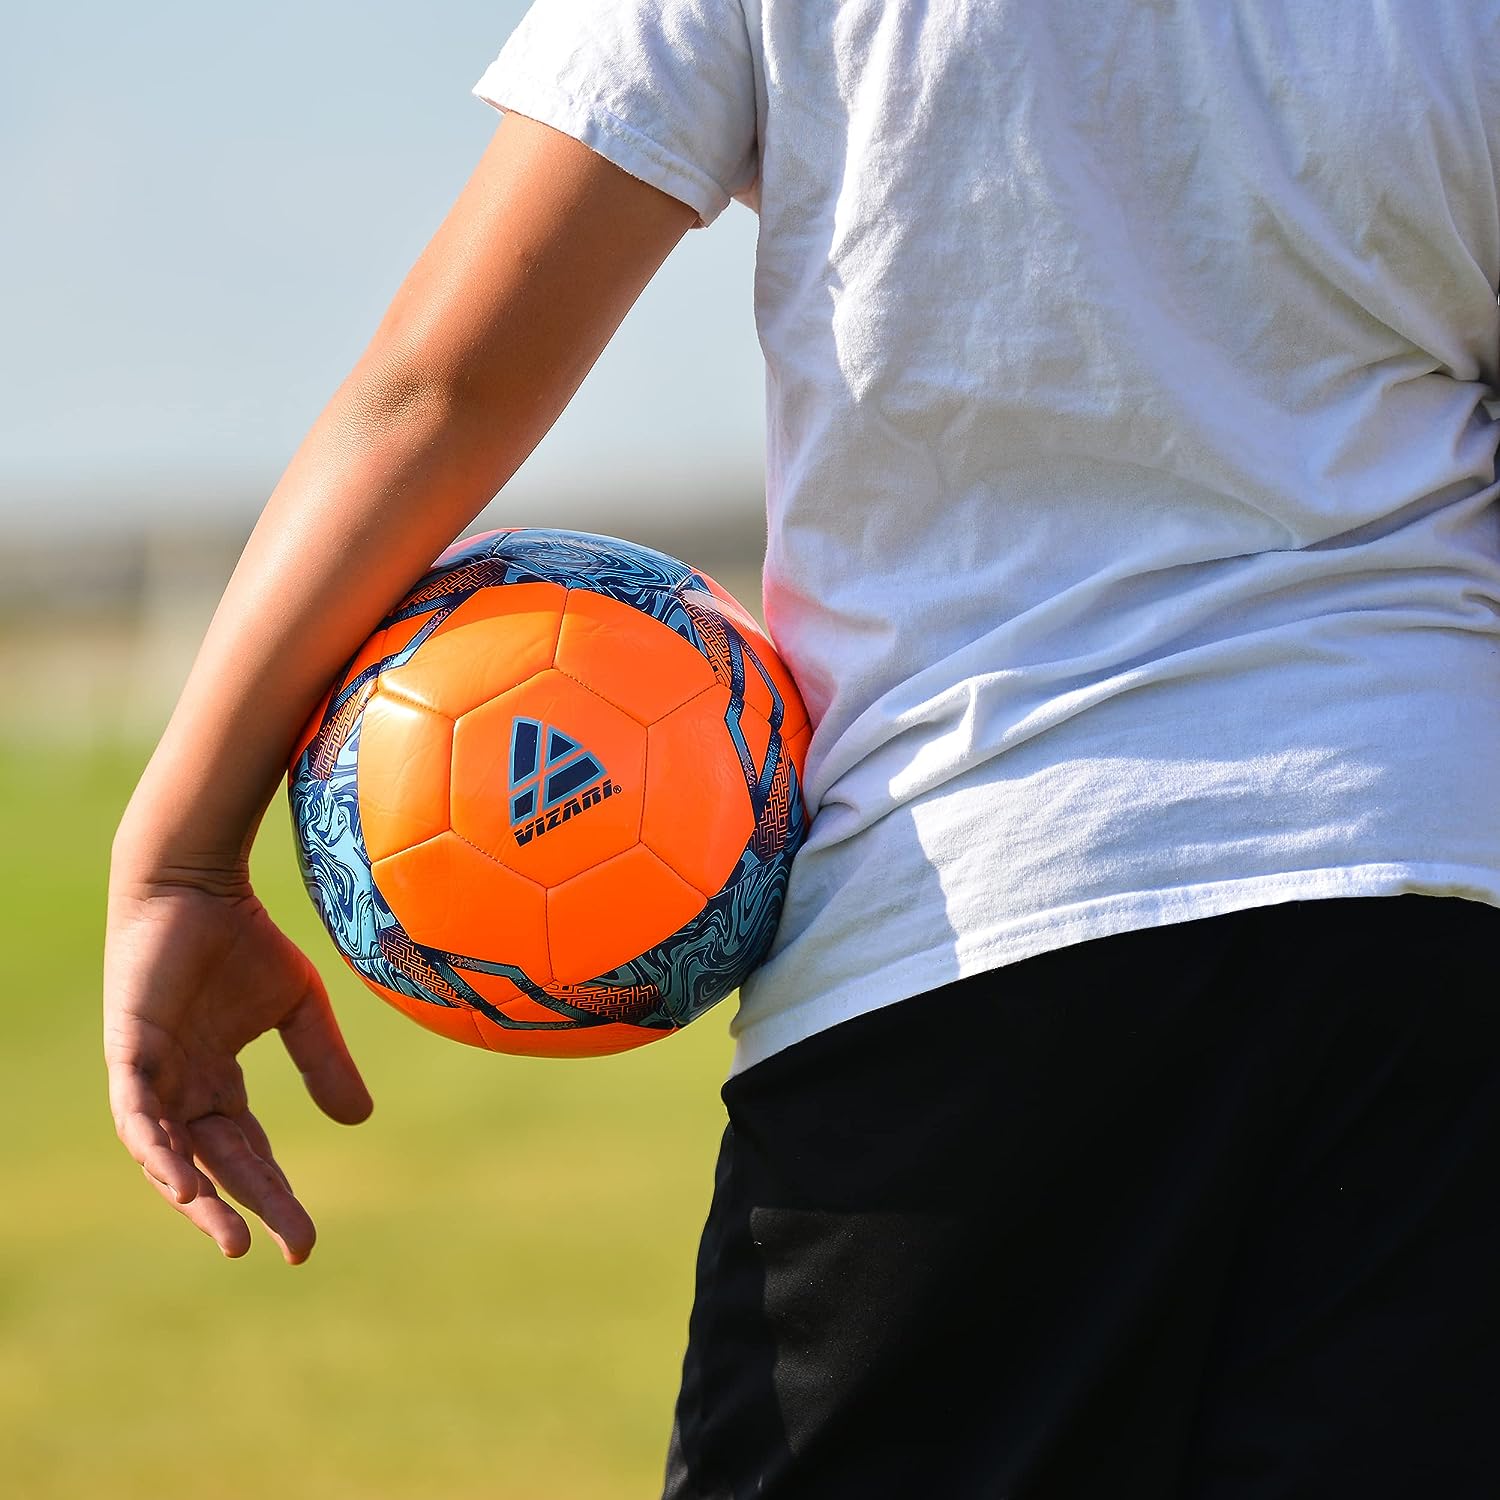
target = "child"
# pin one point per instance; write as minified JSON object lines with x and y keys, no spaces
{"x":1094,"y":1130}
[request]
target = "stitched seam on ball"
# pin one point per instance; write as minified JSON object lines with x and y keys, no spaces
{"x":557,"y":639}
{"x":407,"y":848}
{"x":494,"y":859}
{"x":397,"y":696}
{"x":594,"y":692}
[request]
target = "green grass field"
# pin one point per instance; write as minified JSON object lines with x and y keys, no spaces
{"x":499,"y":1296}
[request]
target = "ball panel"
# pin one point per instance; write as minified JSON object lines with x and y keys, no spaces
{"x":697,"y":816}
{"x":549,"y":778}
{"x":756,"y":734}
{"x":494,"y":639}
{"x":448,"y":895}
{"x":526,"y":1011}
{"x":614,"y":911}
{"x":732,"y":606}
{"x":371,"y":654}
{"x":720,"y":602}
{"x":494,"y":989}
{"x":585,"y":1041}
{"x":629,"y":659}
{"x":398,"y":635}
{"x":796,"y":747}
{"x":454,"y":1022}
{"x":405,"y":756}
{"x":761,"y":700}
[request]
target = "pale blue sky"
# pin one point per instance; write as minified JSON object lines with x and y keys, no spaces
{"x":203,"y":211}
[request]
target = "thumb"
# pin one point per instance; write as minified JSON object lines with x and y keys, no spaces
{"x":312,"y":1037}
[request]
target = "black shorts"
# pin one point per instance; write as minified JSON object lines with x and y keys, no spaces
{"x":1209,"y":1211}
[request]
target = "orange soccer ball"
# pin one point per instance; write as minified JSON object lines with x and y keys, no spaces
{"x":551,"y":804}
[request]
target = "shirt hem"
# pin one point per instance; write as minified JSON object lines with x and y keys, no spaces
{"x":1108,"y":916}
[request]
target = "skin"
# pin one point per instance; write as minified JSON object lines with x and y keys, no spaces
{"x":544,"y":252}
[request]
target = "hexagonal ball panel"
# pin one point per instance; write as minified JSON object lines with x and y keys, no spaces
{"x":613,"y":913}
{"x":627,"y":658}
{"x":496,"y":638}
{"x":447,"y":894}
{"x":404,"y":764}
{"x":548,"y":844}
{"x":698,"y":816}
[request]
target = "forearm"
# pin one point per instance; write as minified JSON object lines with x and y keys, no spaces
{"x":488,"y":338}
{"x":376,"y":491}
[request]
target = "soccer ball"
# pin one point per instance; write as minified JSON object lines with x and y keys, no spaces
{"x":551,"y":804}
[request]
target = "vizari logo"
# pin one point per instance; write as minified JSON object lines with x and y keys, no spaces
{"x":570,"y":809}
{"x":552,"y":779}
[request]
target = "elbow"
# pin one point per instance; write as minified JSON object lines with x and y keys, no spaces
{"x":403,"y":394}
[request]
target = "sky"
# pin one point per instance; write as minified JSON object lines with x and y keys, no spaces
{"x":203,"y":213}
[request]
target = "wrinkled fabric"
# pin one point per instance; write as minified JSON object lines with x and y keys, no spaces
{"x":1130,"y":469}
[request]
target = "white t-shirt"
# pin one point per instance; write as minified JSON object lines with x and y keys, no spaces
{"x":1130,"y":478}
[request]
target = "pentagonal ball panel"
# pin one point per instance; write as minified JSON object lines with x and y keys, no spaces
{"x":627,"y":658}
{"x":698,"y":816}
{"x":449,"y":895}
{"x":496,"y":638}
{"x":549,"y":778}
{"x":404,"y":761}
{"x":613,"y":913}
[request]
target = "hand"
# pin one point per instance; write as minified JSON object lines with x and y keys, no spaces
{"x":194,"y":969}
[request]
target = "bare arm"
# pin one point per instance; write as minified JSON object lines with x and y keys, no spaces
{"x":493,"y":330}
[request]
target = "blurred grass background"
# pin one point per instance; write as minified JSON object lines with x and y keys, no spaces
{"x":498,"y":1301}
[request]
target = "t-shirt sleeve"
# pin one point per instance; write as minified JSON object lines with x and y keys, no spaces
{"x":665,"y":89}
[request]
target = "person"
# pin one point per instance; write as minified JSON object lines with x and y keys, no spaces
{"x":1119,"y":1109}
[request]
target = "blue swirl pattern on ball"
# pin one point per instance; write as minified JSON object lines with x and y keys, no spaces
{"x":680,"y":978}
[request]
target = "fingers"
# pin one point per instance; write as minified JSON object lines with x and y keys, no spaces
{"x":165,"y":1155}
{"x":260,"y":1144}
{"x":312,"y":1037}
{"x":211,"y":1214}
{"x":253,"y":1179}
{"x":137,"y":1113}
{"x":237,"y":1155}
